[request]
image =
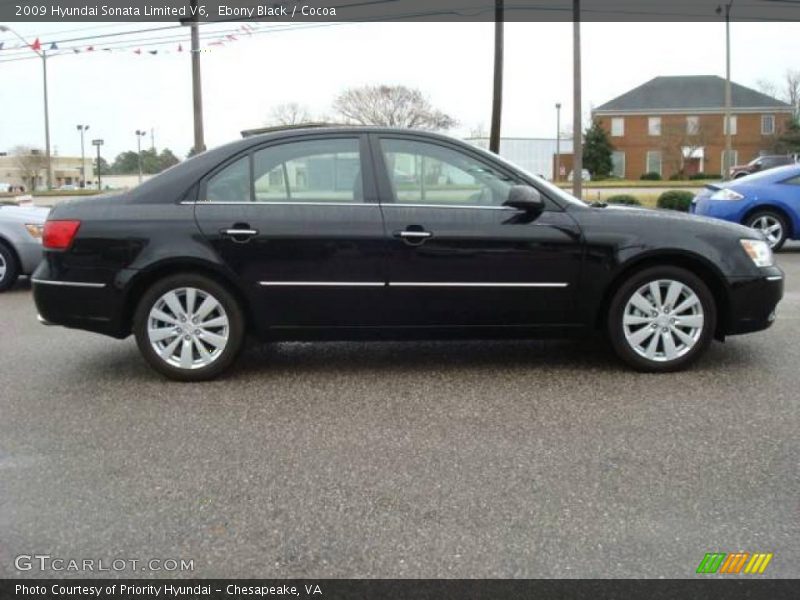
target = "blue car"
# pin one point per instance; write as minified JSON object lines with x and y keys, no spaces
{"x":768,"y":201}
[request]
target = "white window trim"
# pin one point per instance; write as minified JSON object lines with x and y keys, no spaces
{"x":734,"y":125}
{"x":689,"y":120}
{"x":763,"y":120}
{"x":734,"y":162}
{"x":620,"y":120}
{"x":650,"y":122}
{"x":647,"y":162}
{"x":624,"y":164}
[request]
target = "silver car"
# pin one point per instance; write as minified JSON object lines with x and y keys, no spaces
{"x":20,"y":241}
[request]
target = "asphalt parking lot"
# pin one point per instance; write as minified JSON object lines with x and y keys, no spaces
{"x":520,"y":459}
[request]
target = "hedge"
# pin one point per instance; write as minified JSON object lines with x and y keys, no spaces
{"x":652,"y":176}
{"x":697,"y":176}
{"x":623,"y":199}
{"x":675,"y":200}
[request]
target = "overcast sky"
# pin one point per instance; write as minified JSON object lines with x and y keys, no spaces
{"x":116,"y":93}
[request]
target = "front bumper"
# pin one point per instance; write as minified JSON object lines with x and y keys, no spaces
{"x":753,"y":302}
{"x":30,"y":255}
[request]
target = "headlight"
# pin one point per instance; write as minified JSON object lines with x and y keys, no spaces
{"x":35,"y":231}
{"x":759,"y":251}
{"x":726,"y":194}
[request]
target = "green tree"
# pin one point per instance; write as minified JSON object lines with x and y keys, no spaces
{"x":127,"y":163}
{"x":789,"y":141}
{"x":597,"y":150}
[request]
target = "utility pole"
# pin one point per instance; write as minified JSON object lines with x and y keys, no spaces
{"x":557,"y":175}
{"x":726,"y":173}
{"x":46,"y":123}
{"x":83,"y":129}
{"x":577,"y":127}
{"x":197,"y":88}
{"x":43,"y":55}
{"x":497,"y":98}
{"x":139,"y":134}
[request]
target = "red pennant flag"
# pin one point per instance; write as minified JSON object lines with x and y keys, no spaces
{"x":231,"y":37}
{"x":180,"y":48}
{"x":137,"y":51}
{"x":36,"y":45}
{"x":90,"y":49}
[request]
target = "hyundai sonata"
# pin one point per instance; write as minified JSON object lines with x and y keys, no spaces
{"x":369,"y":233}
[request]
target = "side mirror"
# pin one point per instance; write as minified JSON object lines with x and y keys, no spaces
{"x":524,"y":197}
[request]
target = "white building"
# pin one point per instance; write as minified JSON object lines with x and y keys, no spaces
{"x":534,"y":155}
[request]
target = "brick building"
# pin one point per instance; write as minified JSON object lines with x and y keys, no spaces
{"x":674,"y":124}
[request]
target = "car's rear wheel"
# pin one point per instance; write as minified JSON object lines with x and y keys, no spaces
{"x":189,"y":327}
{"x":772,"y":225}
{"x":9,"y":267}
{"x":662,"y":319}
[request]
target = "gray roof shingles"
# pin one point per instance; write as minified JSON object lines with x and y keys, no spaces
{"x":689,"y":92}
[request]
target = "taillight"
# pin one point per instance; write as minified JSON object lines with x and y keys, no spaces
{"x":58,"y":235}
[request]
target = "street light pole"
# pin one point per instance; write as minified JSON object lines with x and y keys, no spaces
{"x":98,"y":143}
{"x":728,"y":100}
{"x":83,"y":129}
{"x":139,"y":134}
{"x":43,"y":55}
{"x":558,"y":142}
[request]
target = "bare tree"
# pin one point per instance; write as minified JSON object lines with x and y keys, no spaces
{"x":390,"y":106}
{"x":479,"y":131}
{"x":30,"y":162}
{"x":289,"y":113}
{"x":680,"y":142}
{"x":788,"y":90}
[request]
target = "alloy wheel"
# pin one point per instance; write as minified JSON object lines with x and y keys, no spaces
{"x":771,"y":227}
{"x":188,"y":328}
{"x":663,"y":320}
{"x":3,"y":267}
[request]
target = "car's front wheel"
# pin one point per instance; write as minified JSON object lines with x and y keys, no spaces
{"x":9,"y":268}
{"x":662,"y":319}
{"x":772,"y":225}
{"x":189,"y":327}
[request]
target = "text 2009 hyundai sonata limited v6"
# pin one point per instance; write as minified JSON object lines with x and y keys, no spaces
{"x":343,"y":233}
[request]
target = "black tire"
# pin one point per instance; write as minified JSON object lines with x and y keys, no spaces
{"x":616,"y":329}
{"x":770,"y":214}
{"x":9,"y":274}
{"x":235,"y":330}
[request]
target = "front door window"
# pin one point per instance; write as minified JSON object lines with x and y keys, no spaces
{"x":428,"y":174}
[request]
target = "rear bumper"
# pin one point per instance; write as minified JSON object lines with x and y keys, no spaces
{"x":77,"y":302}
{"x":753,"y":302}
{"x":727,"y":210}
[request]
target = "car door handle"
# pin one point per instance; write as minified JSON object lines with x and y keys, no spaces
{"x":413,"y":235}
{"x":240,"y":232}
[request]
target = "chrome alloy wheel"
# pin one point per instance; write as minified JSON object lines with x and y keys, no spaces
{"x":3,"y":267}
{"x":188,"y":328}
{"x":770,"y":227}
{"x":663,"y":320}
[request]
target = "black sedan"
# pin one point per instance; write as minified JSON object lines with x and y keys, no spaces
{"x":369,"y":233}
